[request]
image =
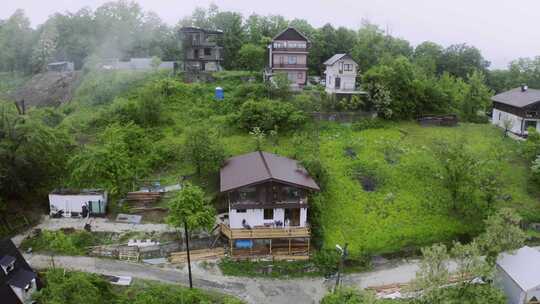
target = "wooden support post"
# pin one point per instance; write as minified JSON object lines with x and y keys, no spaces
{"x":270,"y":246}
{"x":289,"y":246}
{"x":251,"y":247}
{"x":231,"y":246}
{"x":308,"y":246}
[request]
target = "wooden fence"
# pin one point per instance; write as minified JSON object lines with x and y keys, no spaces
{"x":264,"y":233}
{"x":197,"y":255}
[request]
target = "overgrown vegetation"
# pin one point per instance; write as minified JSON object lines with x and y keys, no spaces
{"x":59,"y":242}
{"x":68,"y":287}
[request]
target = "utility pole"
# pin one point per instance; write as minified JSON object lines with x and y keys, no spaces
{"x":188,"y":257}
{"x":343,"y":255}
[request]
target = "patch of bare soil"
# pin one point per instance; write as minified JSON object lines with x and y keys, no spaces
{"x":48,"y":89}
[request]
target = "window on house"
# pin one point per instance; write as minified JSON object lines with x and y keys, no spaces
{"x":248,"y":194}
{"x":207,"y":52}
{"x":300,"y":76}
{"x":500,"y":115}
{"x":241,"y":210}
{"x":341,"y":67}
{"x":347,"y":67}
{"x":268,"y":214}
{"x":292,"y":59}
{"x":530,"y":124}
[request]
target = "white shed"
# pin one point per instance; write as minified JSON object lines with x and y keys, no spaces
{"x":517,"y":275}
{"x":72,"y":203}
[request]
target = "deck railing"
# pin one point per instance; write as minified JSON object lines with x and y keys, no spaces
{"x":264,"y":233}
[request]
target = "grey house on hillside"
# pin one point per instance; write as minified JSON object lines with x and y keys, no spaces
{"x":518,"y":109}
{"x":202,"y":49}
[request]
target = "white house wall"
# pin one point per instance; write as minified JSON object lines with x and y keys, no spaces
{"x":499,"y":117}
{"x":347,"y":78}
{"x":72,"y":203}
{"x":255,"y":217}
{"x":514,"y":294}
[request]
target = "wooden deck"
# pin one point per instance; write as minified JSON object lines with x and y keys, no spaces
{"x":265,"y":233}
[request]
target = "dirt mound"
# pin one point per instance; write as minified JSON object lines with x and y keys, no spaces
{"x":48,"y":89}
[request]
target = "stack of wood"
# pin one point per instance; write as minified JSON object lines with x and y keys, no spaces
{"x":143,"y":199}
{"x":197,"y":255}
{"x":449,"y":120}
{"x":129,"y":253}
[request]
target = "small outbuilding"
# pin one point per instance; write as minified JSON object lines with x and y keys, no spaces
{"x":517,"y":275}
{"x":75,"y":203}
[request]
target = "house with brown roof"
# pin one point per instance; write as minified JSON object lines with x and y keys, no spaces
{"x":288,"y":53}
{"x":517,"y":109}
{"x":267,"y":196}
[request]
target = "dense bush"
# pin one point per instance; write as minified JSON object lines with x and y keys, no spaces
{"x":68,"y":287}
{"x":58,"y":242}
{"x":267,"y":114}
{"x":74,"y":288}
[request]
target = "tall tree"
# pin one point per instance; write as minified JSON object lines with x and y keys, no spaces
{"x":204,"y":150}
{"x":503,"y":233}
{"x":462,"y":60}
{"x":477,"y":98}
{"x":45,"y":49}
{"x":190,"y":209}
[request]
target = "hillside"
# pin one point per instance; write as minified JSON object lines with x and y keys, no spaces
{"x":405,"y":204}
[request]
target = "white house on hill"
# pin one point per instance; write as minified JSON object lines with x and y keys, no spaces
{"x":517,"y":109}
{"x":517,"y":275}
{"x":341,"y":72}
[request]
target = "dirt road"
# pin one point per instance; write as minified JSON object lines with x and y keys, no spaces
{"x":252,"y":290}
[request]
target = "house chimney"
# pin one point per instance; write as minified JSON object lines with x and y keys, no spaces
{"x":524,"y":88}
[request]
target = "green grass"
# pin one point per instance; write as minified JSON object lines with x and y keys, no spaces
{"x":58,"y":242}
{"x":408,"y":209}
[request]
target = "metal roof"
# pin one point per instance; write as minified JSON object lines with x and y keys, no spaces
{"x":517,"y":97}
{"x":257,"y":167}
{"x":21,"y":278}
{"x":523,"y":267}
{"x":7,"y":260}
{"x":335,"y":58}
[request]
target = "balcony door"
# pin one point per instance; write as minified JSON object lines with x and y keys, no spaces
{"x":292,"y":216}
{"x":338,"y":82}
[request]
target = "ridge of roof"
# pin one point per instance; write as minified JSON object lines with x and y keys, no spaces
{"x":294,"y":29}
{"x":261,"y":154}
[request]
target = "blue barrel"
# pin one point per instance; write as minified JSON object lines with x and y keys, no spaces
{"x":244,"y":244}
{"x":219,"y":93}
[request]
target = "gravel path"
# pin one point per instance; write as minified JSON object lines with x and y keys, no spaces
{"x":98,"y":224}
{"x":252,"y":290}
{"x":256,"y":291}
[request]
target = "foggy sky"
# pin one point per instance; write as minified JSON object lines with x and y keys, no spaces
{"x":502,"y":29}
